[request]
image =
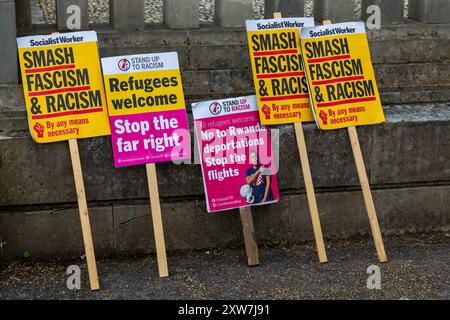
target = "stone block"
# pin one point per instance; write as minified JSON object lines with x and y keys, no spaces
{"x":8,"y":55}
{"x":406,"y":152}
{"x":391,"y":10}
{"x":127,"y":15}
{"x":334,"y":10}
{"x":72,"y":15}
{"x":181,"y":14}
{"x":23,"y":16}
{"x":232,"y":13}
{"x":399,"y":210}
{"x":429,"y":11}
{"x":288,"y":8}
{"x":55,"y":233}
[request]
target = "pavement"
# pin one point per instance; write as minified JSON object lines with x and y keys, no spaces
{"x":418,"y":268}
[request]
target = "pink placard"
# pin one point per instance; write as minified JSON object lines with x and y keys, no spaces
{"x":237,"y":161}
{"x":150,"y":137}
{"x":147,"y":112}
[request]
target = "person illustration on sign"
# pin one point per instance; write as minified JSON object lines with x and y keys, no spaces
{"x":259,"y":179}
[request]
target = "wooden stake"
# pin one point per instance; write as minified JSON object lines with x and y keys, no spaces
{"x":84,"y":214}
{"x":365,"y":186}
{"x":312,"y":203}
{"x":310,"y":192}
{"x":157,"y":220}
{"x":367,"y":194}
{"x":251,"y":248}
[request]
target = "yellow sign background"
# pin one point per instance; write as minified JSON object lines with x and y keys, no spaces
{"x":357,"y":111}
{"x":64,"y":124}
{"x":282,"y":111}
{"x":162,"y":91}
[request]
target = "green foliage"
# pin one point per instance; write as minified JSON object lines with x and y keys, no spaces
{"x":272,"y":243}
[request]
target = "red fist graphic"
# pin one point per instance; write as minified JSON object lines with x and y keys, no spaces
{"x":39,"y":128}
{"x":323,"y":116}
{"x":266,"y":110}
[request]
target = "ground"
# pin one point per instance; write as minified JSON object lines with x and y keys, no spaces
{"x":418,"y":268}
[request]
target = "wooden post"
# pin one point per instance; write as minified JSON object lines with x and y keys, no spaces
{"x":157,"y":220}
{"x":364,"y":181}
{"x":84,"y":214}
{"x":312,"y":203}
{"x":365,"y":186}
{"x":310,"y":192}
{"x":251,"y":248}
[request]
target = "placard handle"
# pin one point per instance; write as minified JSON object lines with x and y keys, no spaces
{"x":157,"y":220}
{"x":84,"y":214}
{"x":314,"y":212}
{"x":309,"y":185}
{"x":365,"y":186}
{"x":251,"y":248}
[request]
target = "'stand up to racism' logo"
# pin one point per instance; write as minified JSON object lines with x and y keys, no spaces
{"x":124,"y":64}
{"x":215,"y":108}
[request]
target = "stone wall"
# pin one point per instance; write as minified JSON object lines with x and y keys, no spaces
{"x":407,"y":157}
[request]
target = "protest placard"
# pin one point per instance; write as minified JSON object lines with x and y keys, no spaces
{"x":340,"y":75}
{"x":65,"y":100}
{"x":278,"y":74}
{"x":344,"y":93}
{"x":281,"y":89}
{"x":147,"y":114}
{"x":63,"y":86}
{"x":236,"y":151}
{"x":146,"y":108}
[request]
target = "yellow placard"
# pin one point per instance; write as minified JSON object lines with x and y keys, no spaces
{"x":150,"y":91}
{"x":63,"y":86}
{"x":340,"y":76}
{"x":147,"y":112}
{"x":278,"y":75}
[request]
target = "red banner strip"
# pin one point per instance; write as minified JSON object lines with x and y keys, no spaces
{"x":45,"y":93}
{"x":338,"y":103}
{"x":280,"y":75}
{"x":273,"y":53}
{"x":343,"y":57}
{"x":295,"y":96}
{"x":37,"y":70}
{"x":67,"y":113}
{"x":318,"y":83}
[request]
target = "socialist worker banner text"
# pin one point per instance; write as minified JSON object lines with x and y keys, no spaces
{"x":280,"y":83}
{"x":63,"y":86}
{"x":340,"y":76}
{"x":238,"y":164}
{"x":146,"y":107}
